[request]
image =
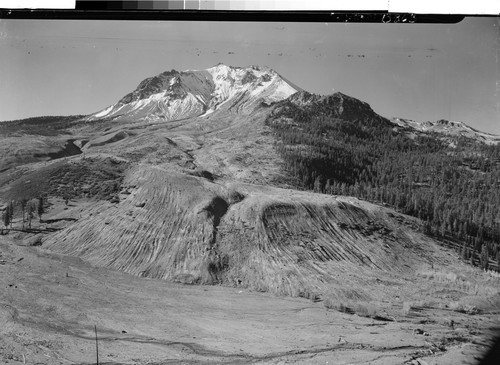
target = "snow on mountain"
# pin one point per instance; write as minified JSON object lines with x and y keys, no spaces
{"x":175,"y":95}
{"x":449,"y":128}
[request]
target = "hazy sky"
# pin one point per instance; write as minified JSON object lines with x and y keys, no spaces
{"x":421,"y":72}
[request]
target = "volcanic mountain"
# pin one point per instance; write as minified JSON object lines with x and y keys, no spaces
{"x":195,"y":176}
{"x":174,"y":95}
{"x":236,"y":177}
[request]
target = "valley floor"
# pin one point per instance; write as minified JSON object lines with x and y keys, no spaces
{"x":49,"y":304}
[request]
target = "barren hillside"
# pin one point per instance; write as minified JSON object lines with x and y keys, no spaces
{"x":186,"y":228}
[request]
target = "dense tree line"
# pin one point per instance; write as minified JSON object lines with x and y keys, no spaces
{"x":452,"y":183}
{"x":44,"y":126}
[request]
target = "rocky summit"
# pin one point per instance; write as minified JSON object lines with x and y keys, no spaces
{"x":178,"y":95}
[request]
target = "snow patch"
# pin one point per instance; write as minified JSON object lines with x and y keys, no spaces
{"x":103,"y":112}
{"x":206,"y":91}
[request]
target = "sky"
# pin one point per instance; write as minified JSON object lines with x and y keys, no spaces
{"x":415,"y":71}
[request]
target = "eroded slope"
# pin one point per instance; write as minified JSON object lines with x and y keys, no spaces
{"x":186,"y":228}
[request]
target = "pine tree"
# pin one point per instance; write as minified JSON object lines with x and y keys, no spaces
{"x":22,"y":202}
{"x":484,"y":258}
{"x":10,"y":209}
{"x":30,"y":212}
{"x":463,"y":251}
{"x":472,"y":256}
{"x":318,"y":184}
{"x":427,"y":228}
{"x":40,"y":209}
{"x":6,"y":218}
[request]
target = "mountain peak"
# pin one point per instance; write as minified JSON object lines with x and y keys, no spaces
{"x":337,"y":105}
{"x":175,"y":95}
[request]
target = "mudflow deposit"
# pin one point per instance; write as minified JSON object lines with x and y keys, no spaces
{"x":170,"y":223}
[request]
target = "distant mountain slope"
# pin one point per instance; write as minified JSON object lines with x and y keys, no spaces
{"x":175,"y":95}
{"x":448,"y":128}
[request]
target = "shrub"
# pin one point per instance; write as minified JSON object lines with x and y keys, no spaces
{"x":235,"y":196}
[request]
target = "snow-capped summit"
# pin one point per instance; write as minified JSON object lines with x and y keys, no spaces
{"x":449,"y":128}
{"x":175,"y":95}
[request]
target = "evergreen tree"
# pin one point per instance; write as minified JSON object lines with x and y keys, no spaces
{"x":484,"y":258}
{"x":30,"y":207}
{"x":6,"y":218}
{"x":22,"y":202}
{"x":472,"y":256}
{"x":40,"y":208}
{"x":463,"y":251}
{"x":10,"y":209}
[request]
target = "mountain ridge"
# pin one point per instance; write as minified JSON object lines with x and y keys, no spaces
{"x":448,"y":128}
{"x":173,"y":95}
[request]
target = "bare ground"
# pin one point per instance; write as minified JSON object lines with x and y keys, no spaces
{"x":49,"y":304}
